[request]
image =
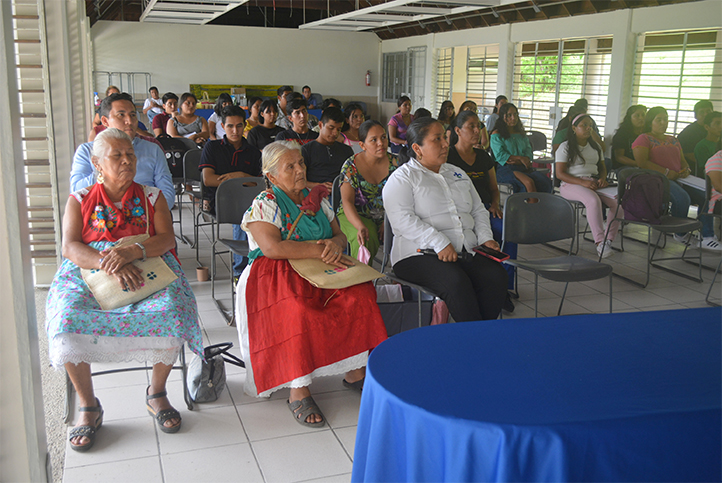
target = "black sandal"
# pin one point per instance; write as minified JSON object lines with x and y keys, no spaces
{"x":162,"y":416}
{"x":87,"y":431}
{"x":304,"y":408}
{"x":357,"y":386}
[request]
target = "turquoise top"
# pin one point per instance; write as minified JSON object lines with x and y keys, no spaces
{"x":514,"y":145}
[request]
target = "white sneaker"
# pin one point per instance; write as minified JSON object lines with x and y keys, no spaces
{"x":683,"y":239}
{"x":711,"y":243}
{"x":604,"y":249}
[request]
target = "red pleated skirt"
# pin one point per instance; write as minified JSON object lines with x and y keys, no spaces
{"x":295,"y":328}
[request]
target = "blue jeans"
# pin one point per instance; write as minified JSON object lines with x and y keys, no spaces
{"x":680,"y":200}
{"x":239,"y":262}
{"x":505,"y":174}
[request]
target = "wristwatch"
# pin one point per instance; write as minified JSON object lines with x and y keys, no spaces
{"x":666,"y":172}
{"x":142,"y":248}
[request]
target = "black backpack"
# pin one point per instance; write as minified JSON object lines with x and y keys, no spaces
{"x":643,"y":198}
{"x":174,"y":149}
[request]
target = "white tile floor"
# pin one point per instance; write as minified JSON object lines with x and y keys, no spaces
{"x":239,"y":438}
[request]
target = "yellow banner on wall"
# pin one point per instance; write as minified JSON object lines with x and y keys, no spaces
{"x":214,"y":90}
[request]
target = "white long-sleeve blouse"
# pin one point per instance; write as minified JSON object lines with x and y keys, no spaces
{"x":431,"y":210}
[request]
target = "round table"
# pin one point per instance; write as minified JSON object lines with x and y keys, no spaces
{"x":609,"y":397}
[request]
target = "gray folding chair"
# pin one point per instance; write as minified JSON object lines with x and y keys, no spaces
{"x":175,"y":149}
{"x":668,"y":225}
{"x":550,"y":219}
{"x":233,"y":197}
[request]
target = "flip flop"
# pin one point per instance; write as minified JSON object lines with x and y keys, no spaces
{"x":357,"y":386}
{"x":87,"y":431}
{"x":162,"y":416}
{"x":303,"y":409}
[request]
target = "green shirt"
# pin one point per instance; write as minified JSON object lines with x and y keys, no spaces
{"x":704,"y":150}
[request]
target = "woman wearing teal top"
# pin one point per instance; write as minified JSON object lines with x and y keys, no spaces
{"x":513,"y":154}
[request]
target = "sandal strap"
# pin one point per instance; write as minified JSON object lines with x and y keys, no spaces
{"x":166,"y":414}
{"x":86,"y":431}
{"x":156,"y":396}
{"x":304,"y":408}
{"x":92,"y":409}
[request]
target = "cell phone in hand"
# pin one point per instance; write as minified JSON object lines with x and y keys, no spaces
{"x":491,"y":253}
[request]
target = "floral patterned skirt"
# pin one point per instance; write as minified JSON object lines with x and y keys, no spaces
{"x":151,"y":330}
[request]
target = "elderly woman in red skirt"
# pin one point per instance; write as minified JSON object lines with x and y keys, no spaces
{"x":290,"y":331}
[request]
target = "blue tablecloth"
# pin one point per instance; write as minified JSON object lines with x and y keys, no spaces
{"x":612,"y":397}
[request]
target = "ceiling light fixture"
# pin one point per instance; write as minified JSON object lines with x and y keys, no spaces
{"x":447,"y":20}
{"x":535,"y":7}
{"x":493,"y":12}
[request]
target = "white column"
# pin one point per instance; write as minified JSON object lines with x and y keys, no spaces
{"x":506,"y":63}
{"x":23,"y":448}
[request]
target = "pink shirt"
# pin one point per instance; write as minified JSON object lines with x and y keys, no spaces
{"x":667,"y":153}
{"x":714,"y":164}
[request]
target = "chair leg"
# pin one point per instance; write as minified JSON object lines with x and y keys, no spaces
{"x":536,"y":295}
{"x":184,"y":373}
{"x":561,"y":302}
{"x":231,"y":320}
{"x":714,"y":278}
{"x":69,"y":395}
{"x":610,"y":293}
{"x":419,"y":298}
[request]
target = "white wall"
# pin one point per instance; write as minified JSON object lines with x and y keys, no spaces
{"x":623,"y":25}
{"x":332,"y":63}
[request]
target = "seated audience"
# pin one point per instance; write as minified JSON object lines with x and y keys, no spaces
{"x":629,"y":130}
{"x":96,"y":120}
{"x":266,"y":132}
{"x":298,"y":116}
{"x":581,"y":106}
{"x":480,"y":168}
{"x":450,"y":221}
{"x":361,"y":214}
{"x":325,"y":156}
{"x":695,"y":132}
{"x":657,"y":151}
{"x":706,"y":148}
{"x":228,"y":158}
{"x":281,"y":120}
{"x":118,"y":111}
{"x":484,"y":137}
{"x":153,"y":105}
{"x":254,"y":114}
{"x":562,"y":132}
{"x":581,"y":169}
{"x":421,"y":112}
{"x":713,"y":169}
{"x":491,"y":120}
{"x":354,"y":117}
{"x":170,"y":110}
{"x":215,"y":126}
{"x":561,"y":136}
{"x":79,"y":331}
{"x":306,"y":91}
{"x":512,"y":151}
{"x":291,"y":332}
{"x":446,"y":114}
{"x":187,"y":124}
{"x":330,"y":102}
{"x":398,"y":124}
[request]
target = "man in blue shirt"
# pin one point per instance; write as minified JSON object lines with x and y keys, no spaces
{"x":118,"y":111}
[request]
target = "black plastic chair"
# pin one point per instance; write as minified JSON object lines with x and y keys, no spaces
{"x":668,"y":225}
{"x":192,"y":178}
{"x":538,"y":142}
{"x":389,"y":271}
{"x":550,"y":219}
{"x":175,"y":149}
{"x":233,"y":197}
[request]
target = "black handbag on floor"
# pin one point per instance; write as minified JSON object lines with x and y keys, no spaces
{"x":207,"y":377}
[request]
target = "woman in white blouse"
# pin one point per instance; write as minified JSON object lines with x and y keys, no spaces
{"x":580,"y":167}
{"x":432,"y":205}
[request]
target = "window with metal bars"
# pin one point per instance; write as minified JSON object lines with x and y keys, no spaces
{"x":550,"y":75}
{"x":482,"y":69}
{"x":404,"y":74}
{"x":677,"y":69}
{"x":443,"y":76}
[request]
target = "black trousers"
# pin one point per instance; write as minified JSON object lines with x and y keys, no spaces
{"x":474,"y":288}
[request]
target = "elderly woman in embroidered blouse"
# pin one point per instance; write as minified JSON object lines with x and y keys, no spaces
{"x":361,"y":215}
{"x":433,"y":205}
{"x":152,"y":330}
{"x":290,"y":331}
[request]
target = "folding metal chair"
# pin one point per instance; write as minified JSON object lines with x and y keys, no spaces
{"x":233,"y":197}
{"x":550,"y":219}
{"x":668,"y":225}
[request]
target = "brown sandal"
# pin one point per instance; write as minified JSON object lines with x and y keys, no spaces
{"x":303,"y":409}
